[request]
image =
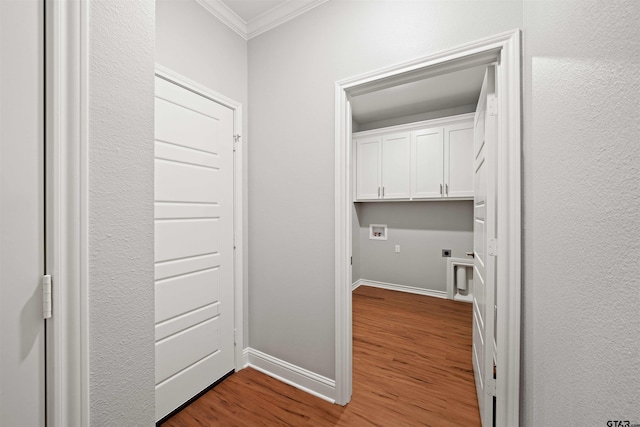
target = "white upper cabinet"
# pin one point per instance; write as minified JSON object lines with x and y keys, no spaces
{"x":420,"y":161}
{"x":458,"y":160}
{"x":427,"y":166}
{"x":395,"y":166}
{"x":368,"y":168}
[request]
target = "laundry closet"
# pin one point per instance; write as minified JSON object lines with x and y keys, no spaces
{"x":413,"y":185}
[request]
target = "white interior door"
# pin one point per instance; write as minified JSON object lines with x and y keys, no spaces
{"x":193,"y":244}
{"x":22,"y":335}
{"x":484,"y":233}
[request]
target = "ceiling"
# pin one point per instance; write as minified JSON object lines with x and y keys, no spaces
{"x":441,"y":92}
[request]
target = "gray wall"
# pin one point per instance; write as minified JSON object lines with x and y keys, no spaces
{"x":581,"y":334}
{"x":121,"y":296}
{"x":293,"y":70}
{"x":580,"y":344}
{"x":195,"y":44}
{"x":422,"y":229}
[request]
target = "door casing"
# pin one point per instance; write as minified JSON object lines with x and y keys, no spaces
{"x":505,"y":50}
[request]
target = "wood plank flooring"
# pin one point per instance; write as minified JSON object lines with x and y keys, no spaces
{"x":411,"y":367}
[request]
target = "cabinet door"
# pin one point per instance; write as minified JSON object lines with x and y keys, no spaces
{"x":368,"y":168}
{"x":458,"y":160}
{"x":396,"y":166}
{"x":427,"y":167}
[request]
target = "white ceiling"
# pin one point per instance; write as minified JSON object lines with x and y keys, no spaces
{"x":445,"y":91}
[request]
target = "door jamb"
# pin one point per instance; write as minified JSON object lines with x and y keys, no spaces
{"x":66,"y":204}
{"x":238,"y":206}
{"x":506,"y":48}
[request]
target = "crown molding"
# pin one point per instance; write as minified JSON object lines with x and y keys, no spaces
{"x":261,"y":23}
{"x":228,"y":17}
{"x":279,"y":15}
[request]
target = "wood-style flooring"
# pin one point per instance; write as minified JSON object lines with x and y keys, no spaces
{"x":411,"y":367}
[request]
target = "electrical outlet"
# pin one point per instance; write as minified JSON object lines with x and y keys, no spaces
{"x":397,"y":249}
{"x":446,"y":252}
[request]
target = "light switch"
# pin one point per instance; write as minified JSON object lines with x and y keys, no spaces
{"x":397,"y":249}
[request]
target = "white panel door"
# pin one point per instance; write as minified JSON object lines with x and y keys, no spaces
{"x":396,"y":164}
{"x":427,"y":167}
{"x":458,"y":160}
{"x":368,"y":168}
{"x":22,"y":334}
{"x":484,"y":233}
{"x":194,"y":305}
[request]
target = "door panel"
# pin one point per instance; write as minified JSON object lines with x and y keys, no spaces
{"x":395,"y":166}
{"x":459,"y":161}
{"x":22,"y":338}
{"x":186,"y":347}
{"x":22,"y":333}
{"x":427,"y":153}
{"x":484,"y":233}
{"x":193,"y":244}
{"x":368,"y":166}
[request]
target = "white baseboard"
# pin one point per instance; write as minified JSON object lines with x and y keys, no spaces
{"x":298,"y":377}
{"x":401,"y":288}
{"x":245,"y":357}
{"x":355,"y":285}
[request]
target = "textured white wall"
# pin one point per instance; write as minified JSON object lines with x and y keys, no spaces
{"x":581,"y":334}
{"x":422,"y":229}
{"x":195,"y":44}
{"x":121,"y":303}
{"x":293,"y":69}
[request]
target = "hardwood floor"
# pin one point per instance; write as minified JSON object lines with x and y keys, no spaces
{"x":411,"y":366}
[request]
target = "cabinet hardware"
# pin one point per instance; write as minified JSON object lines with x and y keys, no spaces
{"x":382,"y":191}
{"x":446,"y":188}
{"x":441,"y":189}
{"x":378,"y":192}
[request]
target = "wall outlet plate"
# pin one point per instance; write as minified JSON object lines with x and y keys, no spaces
{"x":446,"y":253}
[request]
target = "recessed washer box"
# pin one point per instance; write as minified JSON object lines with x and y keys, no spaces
{"x":377,"y":231}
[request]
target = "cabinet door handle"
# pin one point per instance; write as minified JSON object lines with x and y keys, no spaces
{"x":383,"y":191}
{"x":446,"y":187}
{"x":378,"y":192}
{"x":441,"y":189}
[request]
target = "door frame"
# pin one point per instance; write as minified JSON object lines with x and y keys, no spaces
{"x":238,"y":206}
{"x":504,"y":48}
{"x":66,"y":211}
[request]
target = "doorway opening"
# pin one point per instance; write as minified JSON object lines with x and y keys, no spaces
{"x":503,"y":51}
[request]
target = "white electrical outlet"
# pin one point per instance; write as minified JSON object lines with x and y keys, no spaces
{"x":397,"y":249}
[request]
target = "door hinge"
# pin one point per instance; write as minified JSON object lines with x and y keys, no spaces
{"x":351,"y":260}
{"x":236,"y":140}
{"x":492,"y":244}
{"x":235,"y":337}
{"x":492,"y":105}
{"x":46,"y":296}
{"x":234,"y":241}
{"x":490,"y":387}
